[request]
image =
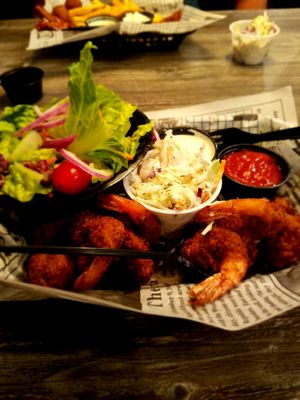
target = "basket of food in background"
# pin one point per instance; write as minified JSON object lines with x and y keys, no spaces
{"x":127,"y":24}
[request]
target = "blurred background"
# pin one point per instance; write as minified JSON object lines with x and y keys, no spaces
{"x":24,"y":8}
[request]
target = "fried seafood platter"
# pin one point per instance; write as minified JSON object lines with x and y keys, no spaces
{"x":114,"y":222}
{"x":227,"y":242}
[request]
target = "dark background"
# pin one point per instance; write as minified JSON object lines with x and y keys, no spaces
{"x":11,"y":9}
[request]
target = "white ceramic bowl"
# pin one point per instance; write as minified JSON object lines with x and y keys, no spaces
{"x":171,"y":220}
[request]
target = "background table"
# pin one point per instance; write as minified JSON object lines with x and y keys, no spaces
{"x":54,"y":349}
{"x":200,"y":71}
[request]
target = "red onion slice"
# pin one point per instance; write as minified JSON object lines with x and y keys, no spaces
{"x":101,"y":174}
{"x":59,"y":143}
{"x":58,"y":109}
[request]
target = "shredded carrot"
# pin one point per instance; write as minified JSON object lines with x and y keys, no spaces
{"x":44,"y":133}
{"x":51,"y":160}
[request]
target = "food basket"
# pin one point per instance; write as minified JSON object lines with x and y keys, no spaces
{"x":128,"y":36}
{"x":152,"y":41}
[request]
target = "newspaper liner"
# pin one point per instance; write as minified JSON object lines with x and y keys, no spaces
{"x":256,"y":299}
{"x":192,"y":20}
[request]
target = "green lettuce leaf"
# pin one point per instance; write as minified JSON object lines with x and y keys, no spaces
{"x":7,"y":127}
{"x":8,"y":143}
{"x":117,"y":147}
{"x":19,"y":115}
{"x":28,"y":149}
{"x":100,"y":118}
{"x":23,"y":183}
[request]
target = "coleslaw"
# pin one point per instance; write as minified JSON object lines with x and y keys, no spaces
{"x":169,"y":178}
{"x":260,"y":26}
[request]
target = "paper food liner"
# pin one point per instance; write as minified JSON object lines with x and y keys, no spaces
{"x":256,"y":299}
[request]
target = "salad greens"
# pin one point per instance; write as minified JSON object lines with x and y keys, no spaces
{"x":89,"y":128}
{"x":22,"y":183}
{"x":18,"y":116}
{"x":18,"y":180}
{"x":100,"y":118}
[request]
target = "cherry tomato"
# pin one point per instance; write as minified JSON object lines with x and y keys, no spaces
{"x":70,"y":179}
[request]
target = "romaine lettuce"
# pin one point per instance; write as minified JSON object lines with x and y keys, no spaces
{"x":19,"y":115}
{"x":23,"y":183}
{"x":100,"y":118}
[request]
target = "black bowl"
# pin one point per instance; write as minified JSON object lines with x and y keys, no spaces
{"x":23,"y":85}
{"x":233,"y":188}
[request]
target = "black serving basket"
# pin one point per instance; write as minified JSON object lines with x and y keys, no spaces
{"x":142,"y":41}
{"x":21,"y":217}
{"x":122,"y":43}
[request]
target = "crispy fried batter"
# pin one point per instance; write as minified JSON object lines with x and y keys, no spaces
{"x":141,"y":268}
{"x":222,"y":251}
{"x":99,"y":231}
{"x":51,"y":270}
{"x":91,"y":229}
{"x":275,"y":225}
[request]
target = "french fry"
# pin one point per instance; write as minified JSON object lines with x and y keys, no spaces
{"x":95,"y":13}
{"x":97,"y":8}
{"x":78,"y":22}
{"x":78,"y":11}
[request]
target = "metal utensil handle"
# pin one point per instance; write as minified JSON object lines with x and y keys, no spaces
{"x":35,"y":249}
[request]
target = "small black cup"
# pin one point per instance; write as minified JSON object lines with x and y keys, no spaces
{"x":23,"y":85}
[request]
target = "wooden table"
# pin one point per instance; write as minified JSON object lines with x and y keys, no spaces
{"x":55,"y":349}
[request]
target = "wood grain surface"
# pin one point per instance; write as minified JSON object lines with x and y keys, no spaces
{"x":53,"y":349}
{"x":200,"y":71}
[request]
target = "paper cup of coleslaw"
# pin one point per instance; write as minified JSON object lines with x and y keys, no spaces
{"x":178,"y":177}
{"x":252,"y":39}
{"x":172,"y":220}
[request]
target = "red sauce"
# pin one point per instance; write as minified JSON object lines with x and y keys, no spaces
{"x":253,"y":168}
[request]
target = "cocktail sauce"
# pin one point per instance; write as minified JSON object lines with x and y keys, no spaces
{"x":253,"y":168}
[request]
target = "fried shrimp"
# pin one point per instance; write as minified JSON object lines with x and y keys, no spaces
{"x":242,"y":230}
{"x":148,"y":223}
{"x":222,"y":251}
{"x":91,"y":229}
{"x":141,"y":268}
{"x":98,"y":231}
{"x":274,"y":221}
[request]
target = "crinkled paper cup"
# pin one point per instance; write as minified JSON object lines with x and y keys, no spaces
{"x":172,"y":221}
{"x":249,"y":49}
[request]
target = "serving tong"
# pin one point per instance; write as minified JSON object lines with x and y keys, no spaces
{"x":171,"y":259}
{"x":95,"y":251}
{"x":229,"y":136}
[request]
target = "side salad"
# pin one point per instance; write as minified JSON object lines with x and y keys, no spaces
{"x":71,"y":144}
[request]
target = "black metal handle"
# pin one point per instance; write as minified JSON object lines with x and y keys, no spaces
{"x":283,"y":134}
{"x":35,"y":249}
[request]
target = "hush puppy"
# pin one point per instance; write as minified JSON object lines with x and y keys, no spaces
{"x":51,"y":270}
